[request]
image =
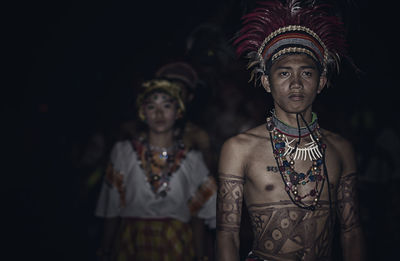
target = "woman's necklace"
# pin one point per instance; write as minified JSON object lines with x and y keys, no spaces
{"x":159,"y":164}
{"x":286,"y":153}
{"x":163,"y":151}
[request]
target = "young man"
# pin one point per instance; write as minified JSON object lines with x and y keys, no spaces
{"x":293,"y":175}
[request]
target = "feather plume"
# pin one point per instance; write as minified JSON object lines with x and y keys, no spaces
{"x":269,"y":16}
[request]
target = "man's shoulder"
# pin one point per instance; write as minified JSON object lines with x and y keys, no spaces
{"x":343,"y":149}
{"x":249,"y":138}
{"x":336,"y":140}
{"x":239,"y":148}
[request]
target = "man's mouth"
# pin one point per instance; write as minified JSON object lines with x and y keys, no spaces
{"x":296,"y":96}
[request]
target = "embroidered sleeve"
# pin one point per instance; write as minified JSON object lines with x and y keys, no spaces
{"x":205,"y":191}
{"x":229,"y":202}
{"x":113,"y":192}
{"x":347,"y":202}
{"x":116,"y":179}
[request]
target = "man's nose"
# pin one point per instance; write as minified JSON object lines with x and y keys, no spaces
{"x":296,"y":81}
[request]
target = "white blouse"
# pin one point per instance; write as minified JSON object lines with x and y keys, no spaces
{"x":142,"y":202}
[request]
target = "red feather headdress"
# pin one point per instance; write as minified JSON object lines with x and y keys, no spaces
{"x":274,"y":29}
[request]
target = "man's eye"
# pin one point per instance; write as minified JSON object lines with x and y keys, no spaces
{"x":167,"y":105}
{"x":307,"y":74}
{"x":284,"y":74}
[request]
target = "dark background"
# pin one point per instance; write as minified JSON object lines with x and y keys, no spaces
{"x":71,"y":68}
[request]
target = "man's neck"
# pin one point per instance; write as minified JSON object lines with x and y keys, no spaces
{"x":292,"y":119}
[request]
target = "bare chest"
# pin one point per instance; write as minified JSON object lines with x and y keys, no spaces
{"x":282,"y":229}
{"x":267,"y":180}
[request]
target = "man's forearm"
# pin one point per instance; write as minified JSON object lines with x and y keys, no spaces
{"x":227,"y":246}
{"x":353,"y":245}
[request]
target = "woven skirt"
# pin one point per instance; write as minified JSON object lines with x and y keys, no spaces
{"x":155,"y":240}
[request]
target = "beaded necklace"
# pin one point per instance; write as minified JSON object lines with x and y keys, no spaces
{"x":285,"y":155}
{"x":159,"y":164}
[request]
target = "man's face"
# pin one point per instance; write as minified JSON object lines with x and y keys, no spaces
{"x":160,"y":112}
{"x":294,"y":82}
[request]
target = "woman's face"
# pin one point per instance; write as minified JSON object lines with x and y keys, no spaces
{"x":160,"y":111}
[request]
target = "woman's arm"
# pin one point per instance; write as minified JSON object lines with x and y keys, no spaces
{"x":110,"y":228}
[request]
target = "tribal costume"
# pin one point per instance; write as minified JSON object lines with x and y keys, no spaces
{"x":273,"y":30}
{"x":156,"y":191}
{"x":127,"y":193}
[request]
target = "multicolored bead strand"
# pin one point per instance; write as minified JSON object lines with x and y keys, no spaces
{"x":291,"y":178}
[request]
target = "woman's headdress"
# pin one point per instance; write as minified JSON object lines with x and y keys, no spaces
{"x":274,"y":29}
{"x":159,"y":85}
{"x":179,"y":71}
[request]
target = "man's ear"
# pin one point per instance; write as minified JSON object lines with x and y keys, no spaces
{"x":265,"y":83}
{"x":322,"y":83}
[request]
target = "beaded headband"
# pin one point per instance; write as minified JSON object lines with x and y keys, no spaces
{"x":274,"y":29}
{"x":293,"y":39}
{"x":171,"y":88}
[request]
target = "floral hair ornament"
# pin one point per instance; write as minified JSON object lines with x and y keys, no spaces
{"x":274,"y":29}
{"x":157,"y":85}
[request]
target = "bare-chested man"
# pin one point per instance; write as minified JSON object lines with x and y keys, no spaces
{"x":293,"y":175}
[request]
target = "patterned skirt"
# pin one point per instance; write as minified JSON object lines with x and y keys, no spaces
{"x":155,"y":240}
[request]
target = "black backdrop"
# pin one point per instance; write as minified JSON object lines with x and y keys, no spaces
{"x":70,"y":71}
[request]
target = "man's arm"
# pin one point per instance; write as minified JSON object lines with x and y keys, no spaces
{"x":229,"y":202}
{"x":352,"y":239}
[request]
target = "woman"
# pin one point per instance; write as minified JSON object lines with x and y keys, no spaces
{"x":156,"y":193}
